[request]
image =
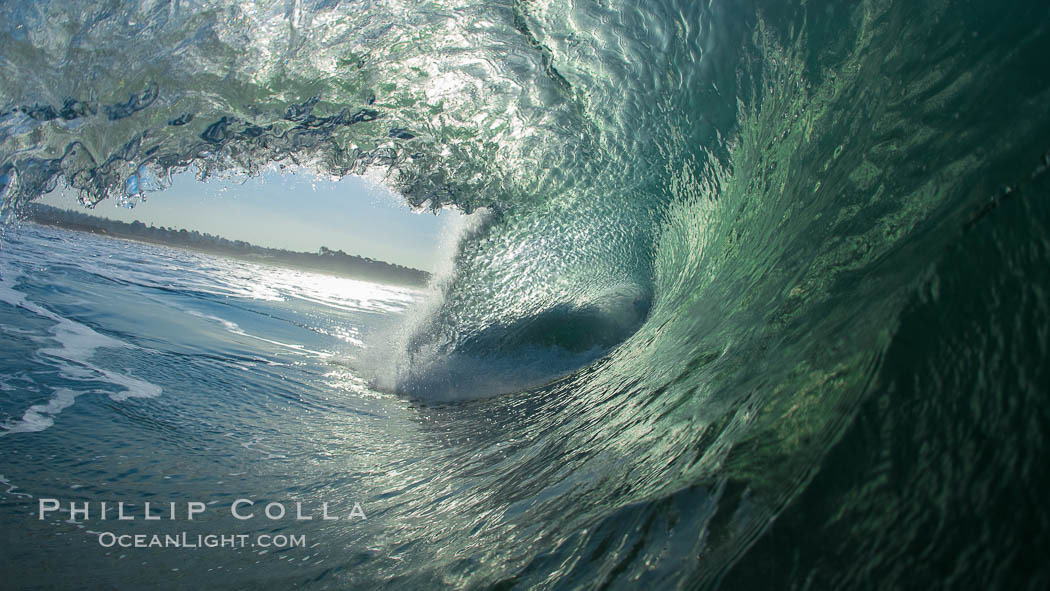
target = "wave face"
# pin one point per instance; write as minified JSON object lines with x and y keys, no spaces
{"x":761,"y":286}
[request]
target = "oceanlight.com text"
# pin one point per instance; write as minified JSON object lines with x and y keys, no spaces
{"x":193,"y":541}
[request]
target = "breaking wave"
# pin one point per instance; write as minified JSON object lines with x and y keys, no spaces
{"x":713,"y":233}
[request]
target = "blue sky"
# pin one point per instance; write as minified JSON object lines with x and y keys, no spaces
{"x":295,"y":211}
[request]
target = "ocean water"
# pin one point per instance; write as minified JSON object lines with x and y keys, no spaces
{"x":754,"y":295}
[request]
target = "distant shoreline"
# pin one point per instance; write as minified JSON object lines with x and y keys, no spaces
{"x":331,"y":262}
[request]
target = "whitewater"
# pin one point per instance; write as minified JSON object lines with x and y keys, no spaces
{"x":749,"y":295}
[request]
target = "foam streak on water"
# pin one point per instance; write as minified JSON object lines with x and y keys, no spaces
{"x":77,"y":345}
